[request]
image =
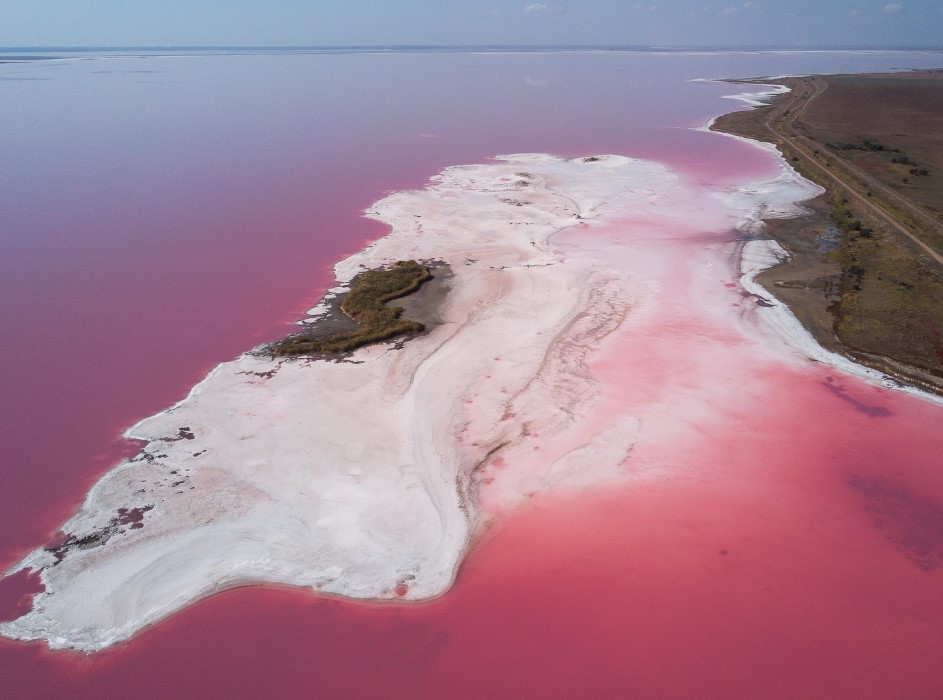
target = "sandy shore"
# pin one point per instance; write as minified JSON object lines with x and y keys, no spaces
{"x":368,"y":478}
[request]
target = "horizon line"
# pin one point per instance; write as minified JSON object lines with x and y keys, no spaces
{"x":476,"y":47}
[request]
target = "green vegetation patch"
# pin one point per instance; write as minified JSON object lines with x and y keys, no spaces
{"x":891,"y":299}
{"x":366,"y":303}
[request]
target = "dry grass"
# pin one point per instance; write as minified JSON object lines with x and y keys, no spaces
{"x":891,"y":298}
{"x":891,"y":127}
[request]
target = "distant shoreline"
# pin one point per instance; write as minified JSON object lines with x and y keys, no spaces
{"x":432,"y":48}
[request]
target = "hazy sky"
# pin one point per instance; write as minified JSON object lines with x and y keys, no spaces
{"x":385,"y":22}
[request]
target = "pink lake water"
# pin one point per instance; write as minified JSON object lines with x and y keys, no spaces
{"x":159,"y":215}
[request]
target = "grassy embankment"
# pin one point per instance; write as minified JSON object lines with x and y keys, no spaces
{"x":366,"y":303}
{"x":873,"y":143}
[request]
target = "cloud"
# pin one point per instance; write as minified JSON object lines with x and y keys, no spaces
{"x":729,"y":11}
{"x":542,"y":7}
{"x":892,"y":9}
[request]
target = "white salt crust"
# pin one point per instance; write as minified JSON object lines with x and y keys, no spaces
{"x":360,"y":478}
{"x":760,"y":255}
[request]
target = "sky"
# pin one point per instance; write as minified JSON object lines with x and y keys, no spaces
{"x":779,"y":23}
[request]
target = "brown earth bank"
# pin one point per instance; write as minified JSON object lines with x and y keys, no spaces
{"x":866,"y":273}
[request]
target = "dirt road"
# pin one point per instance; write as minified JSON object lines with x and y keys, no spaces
{"x":783,"y":121}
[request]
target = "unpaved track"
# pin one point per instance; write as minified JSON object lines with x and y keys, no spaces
{"x":781,"y":122}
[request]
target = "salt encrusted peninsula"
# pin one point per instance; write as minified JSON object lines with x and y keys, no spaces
{"x":366,"y":478}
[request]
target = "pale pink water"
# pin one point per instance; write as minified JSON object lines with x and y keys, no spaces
{"x":793,"y":552}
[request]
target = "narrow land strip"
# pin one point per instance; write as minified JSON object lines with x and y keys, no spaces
{"x":866,"y":276}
